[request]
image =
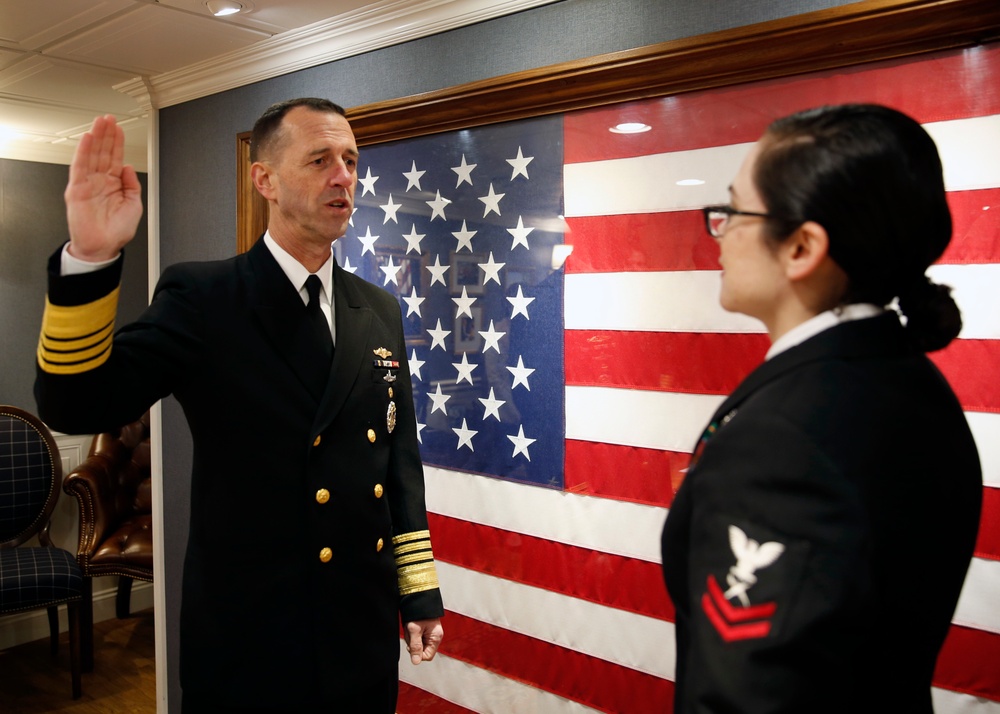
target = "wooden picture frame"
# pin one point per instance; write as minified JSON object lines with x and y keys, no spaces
{"x":826,"y":39}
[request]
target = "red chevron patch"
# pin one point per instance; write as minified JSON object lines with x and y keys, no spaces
{"x":735,"y":623}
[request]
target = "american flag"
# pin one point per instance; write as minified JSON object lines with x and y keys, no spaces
{"x":558,"y":398}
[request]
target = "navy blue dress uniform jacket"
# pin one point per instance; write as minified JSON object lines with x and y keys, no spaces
{"x":308,"y":533}
{"x":817,"y":547}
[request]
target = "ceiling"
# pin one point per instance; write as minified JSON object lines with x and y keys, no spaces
{"x":63,"y":62}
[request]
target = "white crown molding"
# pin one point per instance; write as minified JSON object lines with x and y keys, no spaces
{"x":383,"y":24}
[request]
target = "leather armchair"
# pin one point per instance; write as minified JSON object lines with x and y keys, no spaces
{"x":112,"y":488}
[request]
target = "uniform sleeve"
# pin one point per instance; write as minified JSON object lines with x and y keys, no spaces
{"x":90,"y":378}
{"x":777,"y":570}
{"x":420,"y":596}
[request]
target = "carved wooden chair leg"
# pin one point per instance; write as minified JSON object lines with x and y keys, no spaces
{"x":87,"y":625}
{"x":73,"y":611}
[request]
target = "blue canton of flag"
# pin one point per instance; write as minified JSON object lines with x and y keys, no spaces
{"x":466,"y":229}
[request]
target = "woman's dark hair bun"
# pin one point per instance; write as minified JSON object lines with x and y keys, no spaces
{"x":932,"y":318}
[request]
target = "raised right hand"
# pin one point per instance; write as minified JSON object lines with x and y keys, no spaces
{"x":103,"y":196}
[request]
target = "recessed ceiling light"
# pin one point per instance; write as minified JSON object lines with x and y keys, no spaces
{"x":690,"y":182}
{"x":630,"y":127}
{"x":221,"y":8}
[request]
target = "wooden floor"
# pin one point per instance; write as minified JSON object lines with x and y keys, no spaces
{"x":123,"y":680}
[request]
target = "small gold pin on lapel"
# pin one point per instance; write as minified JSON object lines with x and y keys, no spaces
{"x":382,"y":352}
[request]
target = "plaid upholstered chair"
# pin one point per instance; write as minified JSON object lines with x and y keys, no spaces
{"x":43,"y":576}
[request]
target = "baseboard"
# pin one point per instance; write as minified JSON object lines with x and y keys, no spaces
{"x":34,"y":625}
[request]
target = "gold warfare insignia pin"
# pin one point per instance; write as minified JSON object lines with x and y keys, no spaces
{"x":390,"y":417}
{"x":382,"y":352}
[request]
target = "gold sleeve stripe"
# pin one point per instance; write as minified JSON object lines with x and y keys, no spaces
{"x":412,"y":535}
{"x":77,"y":338}
{"x":412,"y":547}
{"x":414,"y":562}
{"x":414,"y":558}
{"x":417,"y":578}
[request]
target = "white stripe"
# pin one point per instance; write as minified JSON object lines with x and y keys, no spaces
{"x":636,"y":641}
{"x":603,"y":524}
{"x":670,"y":421}
{"x":964,"y":145}
{"x":688,"y":301}
{"x":672,"y":301}
{"x":986,"y":431}
{"x":948,"y":702}
{"x":480,"y":690}
{"x":977,"y":606}
{"x":975,"y":292}
{"x":648,"y":184}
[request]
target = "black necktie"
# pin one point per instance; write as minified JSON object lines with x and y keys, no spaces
{"x":324,"y":340}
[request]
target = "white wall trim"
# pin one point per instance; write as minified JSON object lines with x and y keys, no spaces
{"x":24,"y":627}
{"x":373,"y":27}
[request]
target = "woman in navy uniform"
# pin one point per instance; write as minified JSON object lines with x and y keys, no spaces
{"x":817,"y":547}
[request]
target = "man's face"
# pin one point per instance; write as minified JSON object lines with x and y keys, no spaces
{"x":311,"y":176}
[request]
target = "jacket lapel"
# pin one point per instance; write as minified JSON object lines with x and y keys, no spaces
{"x":354,"y":319}
{"x":281,"y":315}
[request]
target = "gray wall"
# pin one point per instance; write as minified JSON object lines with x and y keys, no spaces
{"x":32,"y":226}
{"x":197,"y":144}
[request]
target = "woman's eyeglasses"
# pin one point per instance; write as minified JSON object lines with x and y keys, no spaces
{"x":717,"y":218}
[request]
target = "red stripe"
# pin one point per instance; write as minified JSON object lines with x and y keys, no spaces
{"x":676,"y":240}
{"x":590,"y":681}
{"x":685,"y":362}
{"x":611,"y":580}
{"x":968,"y":663}
{"x":976,"y":222}
{"x":738,"y":614}
{"x":624,"y":473}
{"x":952,"y":85}
{"x":967,"y":365}
{"x":988,"y":542}
{"x":730,"y":632}
{"x":413,"y":700}
{"x":640,"y":242}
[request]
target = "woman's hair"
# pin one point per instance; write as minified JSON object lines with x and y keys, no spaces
{"x":871,"y":176}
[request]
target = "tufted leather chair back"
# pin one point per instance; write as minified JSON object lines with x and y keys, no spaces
{"x":113,"y":490}
{"x":119,"y":464}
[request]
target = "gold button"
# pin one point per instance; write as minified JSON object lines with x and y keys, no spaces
{"x":378,"y":546}
{"x":325,"y":555}
{"x":378,"y":490}
{"x":371,"y":435}
{"x":317,"y":440}
{"x":390,"y":392}
{"x":322,"y":496}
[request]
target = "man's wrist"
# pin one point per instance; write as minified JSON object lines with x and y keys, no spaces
{"x":72,"y":265}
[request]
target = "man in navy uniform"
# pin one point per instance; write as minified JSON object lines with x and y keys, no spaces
{"x":308,"y":536}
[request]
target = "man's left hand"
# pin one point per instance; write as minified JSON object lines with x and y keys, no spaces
{"x":423,"y":639}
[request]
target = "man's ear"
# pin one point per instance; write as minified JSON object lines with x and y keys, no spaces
{"x":805,"y":251}
{"x":260,"y":174}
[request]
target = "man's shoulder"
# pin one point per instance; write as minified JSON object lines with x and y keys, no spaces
{"x":373,"y":294}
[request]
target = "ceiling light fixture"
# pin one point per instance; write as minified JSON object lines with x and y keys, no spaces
{"x":630,"y":127}
{"x":221,"y":8}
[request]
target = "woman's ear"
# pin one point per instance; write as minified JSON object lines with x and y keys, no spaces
{"x":806,"y":251}
{"x":817,"y":279}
